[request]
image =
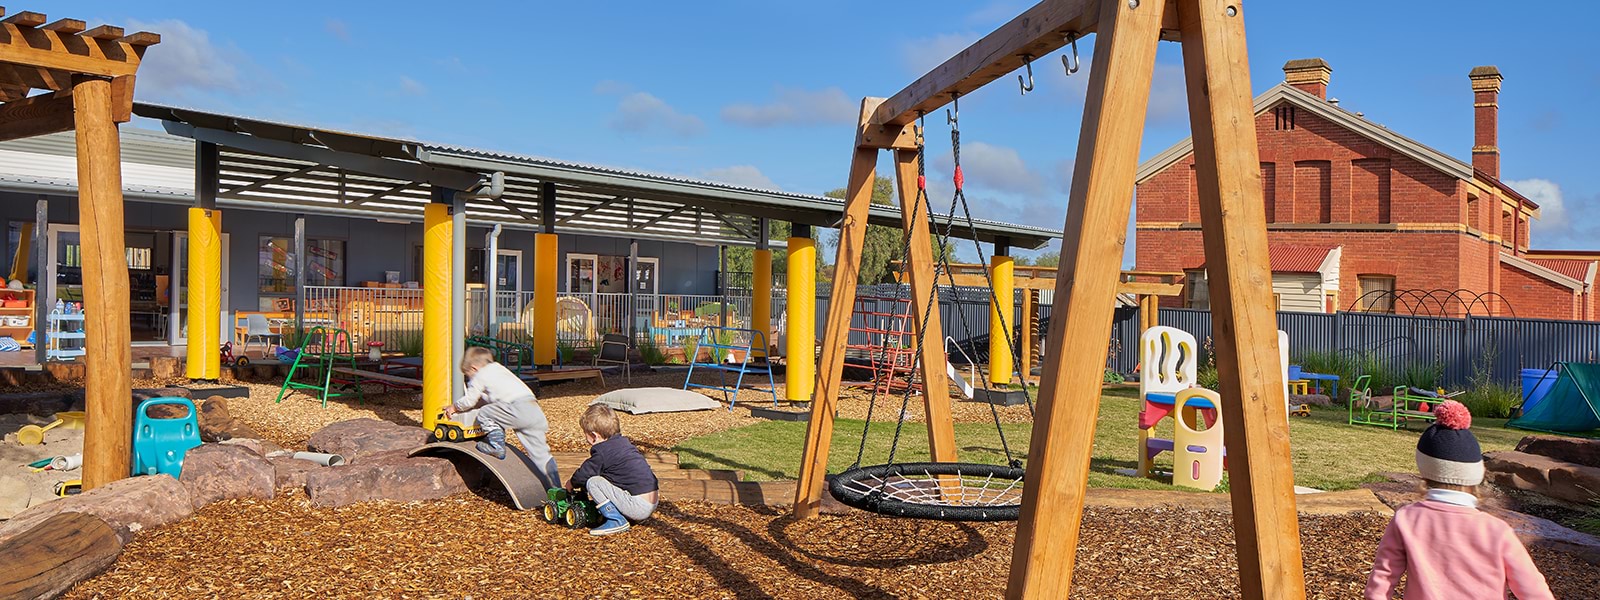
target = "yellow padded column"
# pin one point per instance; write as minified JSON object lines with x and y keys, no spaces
{"x":801,"y":321}
{"x":437,"y":239}
{"x":1000,"y":358}
{"x":545,"y":270}
{"x":204,"y":302}
{"x":761,"y":297}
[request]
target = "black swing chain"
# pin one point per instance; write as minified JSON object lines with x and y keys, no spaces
{"x":943,"y":237}
{"x":905,"y":400}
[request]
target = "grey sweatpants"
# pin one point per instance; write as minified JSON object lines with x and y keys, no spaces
{"x":635,"y":508}
{"x":528,"y":421}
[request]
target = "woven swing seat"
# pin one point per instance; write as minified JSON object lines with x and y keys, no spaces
{"x":938,"y":491}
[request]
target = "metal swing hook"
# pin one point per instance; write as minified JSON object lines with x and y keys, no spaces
{"x":1072,"y":66}
{"x":1027,"y":86}
{"x":955,"y":101}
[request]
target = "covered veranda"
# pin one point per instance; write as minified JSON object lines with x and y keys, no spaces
{"x":250,"y":164}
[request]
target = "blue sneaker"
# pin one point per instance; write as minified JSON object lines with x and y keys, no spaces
{"x":493,"y":444}
{"x":614,"y":521}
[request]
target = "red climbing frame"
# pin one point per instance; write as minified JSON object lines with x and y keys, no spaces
{"x":886,"y":342}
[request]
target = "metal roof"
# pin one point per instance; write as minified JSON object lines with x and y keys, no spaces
{"x":305,"y":168}
{"x":1291,"y":258}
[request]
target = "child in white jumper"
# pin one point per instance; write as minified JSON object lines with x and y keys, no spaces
{"x":505,"y":402}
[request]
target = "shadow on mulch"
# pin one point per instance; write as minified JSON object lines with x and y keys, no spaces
{"x":728,"y":575}
{"x":890,"y":543}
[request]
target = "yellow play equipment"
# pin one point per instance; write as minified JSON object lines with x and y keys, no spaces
{"x":33,"y":435}
{"x":1197,"y":453}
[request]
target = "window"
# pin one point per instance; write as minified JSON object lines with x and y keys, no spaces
{"x":277,"y":264}
{"x":1196,"y":290}
{"x":1377,"y":293}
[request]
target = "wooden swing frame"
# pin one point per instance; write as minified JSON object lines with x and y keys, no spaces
{"x":1233,"y":223}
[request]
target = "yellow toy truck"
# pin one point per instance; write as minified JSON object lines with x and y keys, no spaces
{"x":447,"y":430}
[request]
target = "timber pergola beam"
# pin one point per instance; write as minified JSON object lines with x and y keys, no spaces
{"x":87,"y":76}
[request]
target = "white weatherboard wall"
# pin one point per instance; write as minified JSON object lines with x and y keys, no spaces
{"x":1300,"y":292}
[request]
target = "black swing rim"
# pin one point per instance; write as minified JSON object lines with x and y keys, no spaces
{"x":839,"y":486}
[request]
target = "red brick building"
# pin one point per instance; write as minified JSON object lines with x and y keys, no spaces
{"x":1356,"y":211}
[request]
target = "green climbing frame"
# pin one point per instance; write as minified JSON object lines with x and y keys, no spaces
{"x":324,"y":351}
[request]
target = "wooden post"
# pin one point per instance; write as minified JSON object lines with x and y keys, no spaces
{"x":1063,"y":440}
{"x":923,"y":280}
{"x":1025,"y":335}
{"x":1234,"y":227}
{"x":841,"y":306}
{"x":108,"y":434}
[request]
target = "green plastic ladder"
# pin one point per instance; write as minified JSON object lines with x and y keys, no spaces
{"x":322,"y":350}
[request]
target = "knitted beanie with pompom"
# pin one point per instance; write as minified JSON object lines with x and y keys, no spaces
{"x":1448,"y":452}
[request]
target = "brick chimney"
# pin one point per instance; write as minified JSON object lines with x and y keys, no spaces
{"x":1310,"y":75}
{"x":1486,"y":119}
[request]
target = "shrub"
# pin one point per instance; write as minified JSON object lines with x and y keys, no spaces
{"x":651,"y":353}
{"x":1207,"y":377}
{"x":1491,"y":400}
{"x":1422,"y":376}
{"x":568,"y":352}
{"x":1112,"y":377}
{"x":691,"y":348}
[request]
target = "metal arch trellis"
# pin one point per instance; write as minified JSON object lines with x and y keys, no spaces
{"x":1402,"y":348}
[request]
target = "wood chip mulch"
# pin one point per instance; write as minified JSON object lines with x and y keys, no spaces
{"x":472,"y":546}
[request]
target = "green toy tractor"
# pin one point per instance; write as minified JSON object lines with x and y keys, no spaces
{"x":573,"y":509}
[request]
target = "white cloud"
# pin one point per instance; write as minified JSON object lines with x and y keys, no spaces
{"x":997,"y":168}
{"x":794,"y":106}
{"x":412,"y":87}
{"x":338,"y":29}
{"x":641,"y":112}
{"x":186,"y":61}
{"x":1552,"y":207}
{"x":742,"y":175}
{"x":1169,"y":100}
{"x":922,"y":55}
{"x":609,"y":87}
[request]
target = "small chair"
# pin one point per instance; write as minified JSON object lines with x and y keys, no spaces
{"x":614,"y":351}
{"x":257,"y":327}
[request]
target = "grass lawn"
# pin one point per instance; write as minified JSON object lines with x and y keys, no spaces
{"x":1328,"y":453}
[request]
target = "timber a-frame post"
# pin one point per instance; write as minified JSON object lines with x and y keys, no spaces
{"x":86,"y":76}
{"x":1234,"y":229}
{"x":870,"y":139}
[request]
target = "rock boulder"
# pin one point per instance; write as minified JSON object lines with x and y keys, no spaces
{"x":360,"y":439}
{"x":129,"y":505}
{"x":1579,"y":451}
{"x":1520,"y":470}
{"x":290,"y":472}
{"x":213,"y":472}
{"x":1575,"y":483}
{"x":389,"y":477}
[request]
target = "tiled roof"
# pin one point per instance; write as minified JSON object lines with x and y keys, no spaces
{"x":1289,"y":258}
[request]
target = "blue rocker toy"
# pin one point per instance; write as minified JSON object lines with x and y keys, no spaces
{"x":159,"y":445}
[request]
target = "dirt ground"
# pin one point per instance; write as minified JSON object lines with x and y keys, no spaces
{"x":471,"y":546}
{"x":291,"y":422}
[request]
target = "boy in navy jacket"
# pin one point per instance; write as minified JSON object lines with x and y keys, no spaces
{"x":616,"y":474}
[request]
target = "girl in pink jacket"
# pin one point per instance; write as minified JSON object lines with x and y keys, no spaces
{"x":1443,"y":545}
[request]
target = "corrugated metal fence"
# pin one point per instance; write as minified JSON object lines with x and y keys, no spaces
{"x":1399,"y":341}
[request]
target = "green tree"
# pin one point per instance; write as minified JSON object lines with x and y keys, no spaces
{"x":741,"y":259}
{"x":883,"y":245}
{"x":1048,"y":259}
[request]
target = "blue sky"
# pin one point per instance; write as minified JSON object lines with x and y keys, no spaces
{"x":766,"y":93}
